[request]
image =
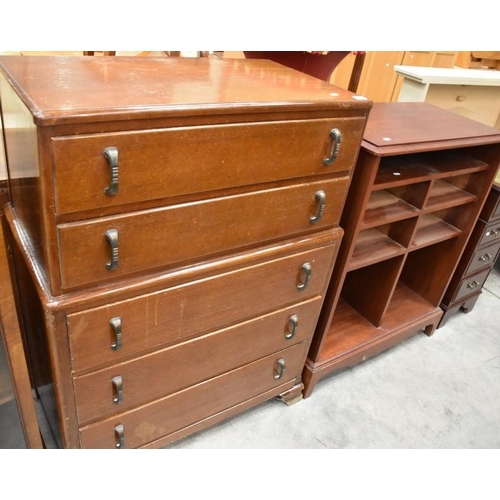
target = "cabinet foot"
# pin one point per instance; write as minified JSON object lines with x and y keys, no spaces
{"x":292,"y":396}
{"x":430,"y":329}
{"x":469,"y":305}
{"x":465,"y":307}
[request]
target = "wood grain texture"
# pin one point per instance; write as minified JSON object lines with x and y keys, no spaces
{"x":187,"y":310}
{"x":165,"y":416}
{"x":181,"y":233}
{"x":395,"y":263}
{"x":92,"y":89}
{"x":227,"y":221}
{"x":398,"y":128}
{"x":190,"y":362}
{"x":177,"y":161}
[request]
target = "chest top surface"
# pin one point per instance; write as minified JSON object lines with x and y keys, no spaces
{"x":76,"y":89}
{"x":394,"y":128}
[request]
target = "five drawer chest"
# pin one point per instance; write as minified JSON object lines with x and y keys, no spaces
{"x":173,"y":227}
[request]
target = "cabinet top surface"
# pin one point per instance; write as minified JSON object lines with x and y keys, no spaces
{"x":403,"y":127}
{"x":450,"y":76}
{"x":80,"y":89}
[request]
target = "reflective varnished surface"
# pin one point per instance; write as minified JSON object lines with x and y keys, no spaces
{"x":65,"y":89}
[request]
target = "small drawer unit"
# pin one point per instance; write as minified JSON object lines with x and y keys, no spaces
{"x":174,"y":237}
{"x":478,"y":259}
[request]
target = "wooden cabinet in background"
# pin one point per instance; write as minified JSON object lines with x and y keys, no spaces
{"x":477,"y":261}
{"x":478,"y":59}
{"x":174,"y":223}
{"x":421,"y":179}
{"x":379,"y":82}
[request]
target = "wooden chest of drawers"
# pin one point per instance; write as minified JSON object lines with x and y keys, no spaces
{"x":174,"y":226}
{"x":479,"y":257}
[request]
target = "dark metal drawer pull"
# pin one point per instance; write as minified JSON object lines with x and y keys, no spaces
{"x":293,"y":324}
{"x":473,"y":285}
{"x":117,"y":383}
{"x":336,"y":136}
{"x":306,"y":271}
{"x":119,"y":436}
{"x":112,"y":237}
{"x":486,"y":257}
{"x":279,"y":368}
{"x":116,"y":325}
{"x":321,"y":201}
{"x":111,"y":155}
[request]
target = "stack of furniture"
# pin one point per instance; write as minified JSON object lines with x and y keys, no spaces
{"x":421,"y":180}
{"x":174,"y":224}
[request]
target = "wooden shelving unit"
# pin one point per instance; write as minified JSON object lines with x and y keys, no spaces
{"x":420,"y":182}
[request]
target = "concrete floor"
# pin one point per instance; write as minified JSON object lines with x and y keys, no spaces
{"x":439,"y":392}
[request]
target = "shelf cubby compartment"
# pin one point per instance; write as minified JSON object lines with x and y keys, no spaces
{"x":444,"y":194}
{"x":384,"y":207}
{"x":395,"y":171}
{"x":431,"y":230}
{"x":427,"y":270}
{"x":368,"y":290}
{"x":413,"y":168}
{"x":383,"y":242}
{"x":351,"y":337}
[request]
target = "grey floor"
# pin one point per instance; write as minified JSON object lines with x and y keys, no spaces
{"x":439,"y":392}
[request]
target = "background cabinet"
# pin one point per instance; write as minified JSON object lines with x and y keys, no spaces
{"x":378,"y":81}
{"x":477,"y":261}
{"x":421,"y":179}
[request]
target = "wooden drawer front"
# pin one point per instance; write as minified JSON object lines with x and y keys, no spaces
{"x":181,"y":233}
{"x":157,"y":164}
{"x":172,"y":413}
{"x":472,"y":284}
{"x":197,"y":307}
{"x":167,"y":371}
{"x":491,"y":233}
{"x":483,"y":258}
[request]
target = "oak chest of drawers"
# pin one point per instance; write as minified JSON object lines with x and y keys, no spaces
{"x":174,"y":225}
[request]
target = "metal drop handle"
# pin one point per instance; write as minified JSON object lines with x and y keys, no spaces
{"x":111,"y":154}
{"x":306,"y":271}
{"x":473,"y":285}
{"x":336,"y":137}
{"x":112,"y":237}
{"x":486,"y":257}
{"x":117,"y":383}
{"x":116,"y":325}
{"x":279,"y":368}
{"x":321,"y":201}
{"x":293,"y":324}
{"x":119,"y":436}
{"x":493,"y":232}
